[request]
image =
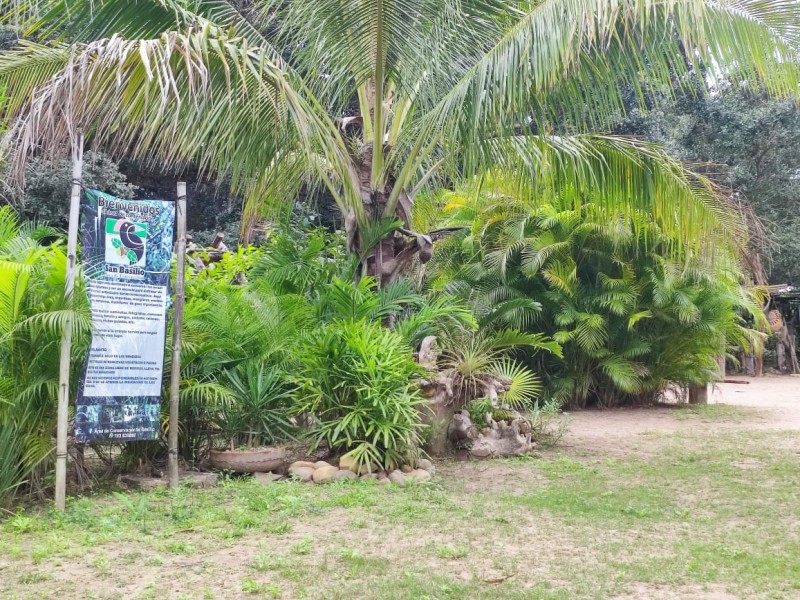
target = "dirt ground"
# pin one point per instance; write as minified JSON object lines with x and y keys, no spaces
{"x":772,"y":403}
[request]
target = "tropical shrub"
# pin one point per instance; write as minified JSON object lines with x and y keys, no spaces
{"x":476,"y":362}
{"x":33,"y":316}
{"x":303,"y":263}
{"x":238,"y":346}
{"x":635,"y":309}
{"x":356,"y":382}
{"x":257,"y":413}
{"x":250,"y":323}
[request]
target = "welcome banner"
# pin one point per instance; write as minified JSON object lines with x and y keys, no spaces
{"x":127,"y":249}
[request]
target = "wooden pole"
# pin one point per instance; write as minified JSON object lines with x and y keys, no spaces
{"x":66,"y":339}
{"x":177,"y":324}
{"x":698,"y":394}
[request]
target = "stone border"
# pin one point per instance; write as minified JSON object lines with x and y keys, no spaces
{"x":323,"y":472}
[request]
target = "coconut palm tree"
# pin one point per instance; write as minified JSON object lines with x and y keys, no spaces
{"x":376,"y":99}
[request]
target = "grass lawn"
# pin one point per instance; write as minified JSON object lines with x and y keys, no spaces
{"x":685,"y":515}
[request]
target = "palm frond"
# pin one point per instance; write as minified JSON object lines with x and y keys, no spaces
{"x":524,"y":385}
{"x":193,"y":96}
{"x":568,"y":57}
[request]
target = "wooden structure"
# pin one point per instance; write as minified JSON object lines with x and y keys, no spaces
{"x":783,"y":313}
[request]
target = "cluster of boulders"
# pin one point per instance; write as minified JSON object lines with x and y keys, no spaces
{"x":324,"y":472}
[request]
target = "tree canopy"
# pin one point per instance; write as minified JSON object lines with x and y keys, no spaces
{"x":376,"y":99}
{"x":748,"y":141}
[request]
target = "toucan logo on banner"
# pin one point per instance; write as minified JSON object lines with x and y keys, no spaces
{"x":126,"y":243}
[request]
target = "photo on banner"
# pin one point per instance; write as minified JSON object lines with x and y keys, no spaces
{"x":127,"y":250}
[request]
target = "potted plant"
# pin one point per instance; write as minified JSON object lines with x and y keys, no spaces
{"x":254,"y":421}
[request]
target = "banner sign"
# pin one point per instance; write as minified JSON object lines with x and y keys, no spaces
{"x":127,"y":249}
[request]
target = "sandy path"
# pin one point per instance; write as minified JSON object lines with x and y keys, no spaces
{"x":772,"y":403}
{"x":781,"y":393}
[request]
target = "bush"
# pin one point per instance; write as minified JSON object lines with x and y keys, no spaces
{"x":356,"y":381}
{"x":257,"y":413}
{"x":634,"y":309}
{"x":297,"y":293}
{"x":47,"y":186}
{"x":33,"y":315}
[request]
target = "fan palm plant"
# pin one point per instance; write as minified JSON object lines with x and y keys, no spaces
{"x":258,"y":413}
{"x":377,"y":99}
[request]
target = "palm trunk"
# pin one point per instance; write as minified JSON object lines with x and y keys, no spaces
{"x":698,"y":394}
{"x":387,"y":259}
{"x":383,"y":260}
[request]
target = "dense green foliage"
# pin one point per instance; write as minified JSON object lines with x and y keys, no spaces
{"x":33,"y":315}
{"x":357,"y":380}
{"x":47,"y":187}
{"x":633,"y":310}
{"x":256,"y":412}
{"x":621,"y":281}
{"x":296,"y":340}
{"x":556,"y":302}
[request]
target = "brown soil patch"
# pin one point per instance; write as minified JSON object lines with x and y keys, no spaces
{"x":663,"y":592}
{"x":766,"y":404}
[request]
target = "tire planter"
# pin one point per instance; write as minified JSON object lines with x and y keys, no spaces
{"x":249,"y":461}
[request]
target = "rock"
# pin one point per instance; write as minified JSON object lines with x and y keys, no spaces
{"x":320,"y":464}
{"x":381,"y":474}
{"x":482,"y":450}
{"x":302,"y":473}
{"x":142,"y":483}
{"x":347,"y":462}
{"x":461,"y":428}
{"x":344,"y":474}
{"x":384,"y":481}
{"x":438,"y":390}
{"x":428,"y":354}
{"x":503,"y":439}
{"x":420,"y":475}
{"x":324,"y":474}
{"x":301,"y":463}
{"x":406,"y":468}
{"x":193,"y":479}
{"x":424,"y":464}
{"x":199,"y":480}
{"x":368,"y":469}
{"x":266,"y":477}
{"x":398,"y":478}
{"x":369,"y":476}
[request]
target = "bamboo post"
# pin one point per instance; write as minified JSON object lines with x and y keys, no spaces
{"x":66,"y":339}
{"x":177,"y":324}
